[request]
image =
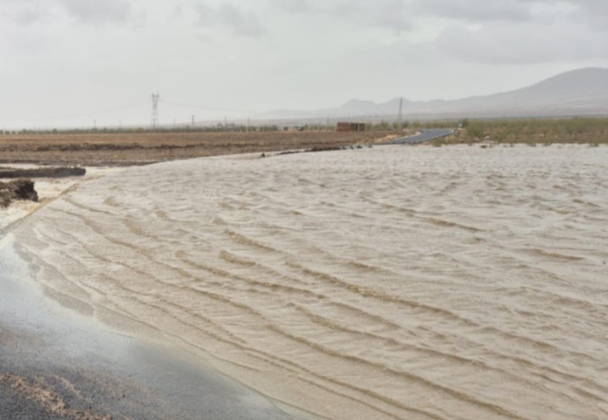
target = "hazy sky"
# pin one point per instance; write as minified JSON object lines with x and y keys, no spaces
{"x":72,"y":62}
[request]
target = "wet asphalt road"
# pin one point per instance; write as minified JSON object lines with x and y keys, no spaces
{"x":55,"y":364}
{"x":426,"y":135}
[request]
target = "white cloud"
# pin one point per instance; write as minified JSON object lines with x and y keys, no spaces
{"x":227,"y":15}
{"x":99,"y":11}
{"x":95,"y":54}
{"x":477,"y":10}
{"x":28,"y":15}
{"x":25,"y":12}
{"x":389,"y":14}
{"x":293,"y":6}
{"x":522,"y":44}
{"x":243,"y":23}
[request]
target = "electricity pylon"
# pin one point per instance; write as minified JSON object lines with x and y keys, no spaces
{"x":155,"y":117}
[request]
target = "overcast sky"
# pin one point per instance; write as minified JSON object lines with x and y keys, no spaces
{"x":72,"y":62}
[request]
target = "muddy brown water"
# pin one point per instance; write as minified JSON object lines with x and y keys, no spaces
{"x":393,"y":282}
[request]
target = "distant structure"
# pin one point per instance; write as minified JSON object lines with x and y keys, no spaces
{"x":155,"y":117}
{"x":400,"y":114}
{"x":350,"y":126}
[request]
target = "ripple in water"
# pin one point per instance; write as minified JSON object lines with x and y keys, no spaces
{"x":396,"y":282}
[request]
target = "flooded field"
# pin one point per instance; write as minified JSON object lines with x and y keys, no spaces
{"x":392,"y":282}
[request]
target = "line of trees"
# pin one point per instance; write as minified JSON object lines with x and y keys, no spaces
{"x":566,"y":130}
{"x":132,"y":130}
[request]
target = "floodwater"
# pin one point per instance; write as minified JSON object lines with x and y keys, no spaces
{"x":393,"y":282}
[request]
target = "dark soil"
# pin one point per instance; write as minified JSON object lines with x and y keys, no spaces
{"x":145,"y":148}
{"x":44,"y":172}
{"x":21,"y":189}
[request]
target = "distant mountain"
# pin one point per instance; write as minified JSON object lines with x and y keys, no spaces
{"x":577,"y":92}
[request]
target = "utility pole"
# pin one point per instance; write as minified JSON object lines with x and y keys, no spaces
{"x":155,"y":117}
{"x":193,"y":121}
{"x":400,"y":114}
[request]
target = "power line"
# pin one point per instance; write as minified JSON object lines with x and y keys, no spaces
{"x":206,"y":107}
{"x":81,"y":115}
{"x":400,"y":115}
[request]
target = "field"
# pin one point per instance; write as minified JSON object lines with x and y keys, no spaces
{"x":140,"y":148}
{"x":144,"y":148}
{"x":593,"y":131}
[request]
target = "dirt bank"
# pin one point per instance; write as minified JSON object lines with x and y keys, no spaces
{"x":20,"y":189}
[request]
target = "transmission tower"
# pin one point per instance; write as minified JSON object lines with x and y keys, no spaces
{"x":400,"y":114}
{"x":155,"y":118}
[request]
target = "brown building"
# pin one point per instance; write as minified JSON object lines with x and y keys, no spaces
{"x":350,"y":126}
